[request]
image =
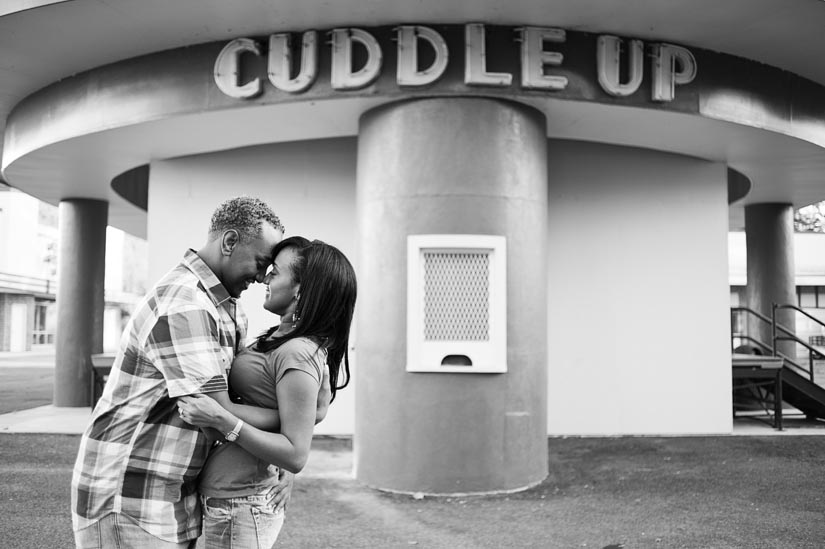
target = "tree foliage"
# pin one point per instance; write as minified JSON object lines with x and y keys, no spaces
{"x":810,"y":219}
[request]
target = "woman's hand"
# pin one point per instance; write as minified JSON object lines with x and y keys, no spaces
{"x":202,"y":411}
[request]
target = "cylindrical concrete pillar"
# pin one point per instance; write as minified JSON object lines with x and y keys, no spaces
{"x":770,"y":266}
{"x":451,"y":166}
{"x":81,"y":271}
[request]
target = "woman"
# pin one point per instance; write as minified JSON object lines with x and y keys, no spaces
{"x":312,"y":287}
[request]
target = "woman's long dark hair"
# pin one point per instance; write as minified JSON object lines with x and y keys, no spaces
{"x":326,"y":304}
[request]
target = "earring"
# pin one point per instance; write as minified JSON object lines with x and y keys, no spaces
{"x":295,"y":317}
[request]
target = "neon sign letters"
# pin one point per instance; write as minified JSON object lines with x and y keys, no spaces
{"x":670,"y":65}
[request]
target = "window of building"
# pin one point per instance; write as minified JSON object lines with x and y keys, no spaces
{"x":43,"y":331}
{"x":810,"y":297}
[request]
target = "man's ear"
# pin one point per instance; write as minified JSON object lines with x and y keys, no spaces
{"x":229,"y":240}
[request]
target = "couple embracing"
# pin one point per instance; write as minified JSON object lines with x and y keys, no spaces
{"x":195,"y":427}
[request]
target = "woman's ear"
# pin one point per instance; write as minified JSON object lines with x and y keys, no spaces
{"x":229,"y":240}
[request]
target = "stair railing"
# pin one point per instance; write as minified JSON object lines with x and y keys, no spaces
{"x":781,"y":333}
{"x":766,"y":348}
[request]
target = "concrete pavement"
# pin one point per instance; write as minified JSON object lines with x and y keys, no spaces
{"x":46,"y":419}
{"x":58,"y":420}
{"x":38,"y":358}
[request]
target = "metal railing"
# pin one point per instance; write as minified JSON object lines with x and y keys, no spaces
{"x":779,"y":332}
{"x":763,"y":347}
{"x":42,"y":337}
{"x":788,"y":335}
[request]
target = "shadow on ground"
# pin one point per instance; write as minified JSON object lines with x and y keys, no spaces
{"x":694,"y":492}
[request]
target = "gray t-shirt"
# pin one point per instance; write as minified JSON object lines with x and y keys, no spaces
{"x":231,"y":471}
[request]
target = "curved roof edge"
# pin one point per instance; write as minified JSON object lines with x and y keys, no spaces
{"x":79,"y":134}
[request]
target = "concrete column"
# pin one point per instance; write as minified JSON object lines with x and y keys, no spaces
{"x":450,"y":166}
{"x":770,"y":257}
{"x":81,"y":270}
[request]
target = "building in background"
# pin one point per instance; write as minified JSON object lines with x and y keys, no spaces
{"x":536,"y":194}
{"x":28,"y":275}
{"x":809,"y":283}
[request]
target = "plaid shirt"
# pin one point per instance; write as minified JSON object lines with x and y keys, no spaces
{"x":137,"y":457}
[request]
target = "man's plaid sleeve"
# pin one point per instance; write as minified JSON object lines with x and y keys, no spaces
{"x":184,"y":344}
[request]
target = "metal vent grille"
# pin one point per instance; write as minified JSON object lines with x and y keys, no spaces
{"x":456,"y":296}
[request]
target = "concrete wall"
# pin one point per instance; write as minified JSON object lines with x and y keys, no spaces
{"x":637,"y":274}
{"x":638,"y":293}
{"x":311,"y":187}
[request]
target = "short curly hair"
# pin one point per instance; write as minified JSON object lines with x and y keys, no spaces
{"x":245,"y":214}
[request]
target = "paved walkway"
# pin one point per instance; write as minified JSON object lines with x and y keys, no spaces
{"x":39,"y":358}
{"x":46,"y":419}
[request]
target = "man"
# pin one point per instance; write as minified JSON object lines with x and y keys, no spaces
{"x":135,"y":475}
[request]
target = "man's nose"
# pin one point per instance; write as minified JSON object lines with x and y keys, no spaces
{"x":261,"y":277}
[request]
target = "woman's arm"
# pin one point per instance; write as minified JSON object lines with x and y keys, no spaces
{"x":262,"y":418}
{"x":324,"y":397}
{"x":297,"y":394}
{"x":266,"y":418}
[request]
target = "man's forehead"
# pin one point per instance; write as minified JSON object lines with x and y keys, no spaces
{"x":270,"y":241}
{"x":263,"y":245}
{"x":269,"y":235}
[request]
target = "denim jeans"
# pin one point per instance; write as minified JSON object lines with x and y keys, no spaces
{"x":242,"y":522}
{"x":116,"y":531}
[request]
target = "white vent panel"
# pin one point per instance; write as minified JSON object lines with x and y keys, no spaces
{"x":456,"y":303}
{"x":456,"y":296}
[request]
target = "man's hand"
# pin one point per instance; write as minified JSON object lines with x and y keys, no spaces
{"x":200,"y":411}
{"x":324,"y":395}
{"x":283,"y":490}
